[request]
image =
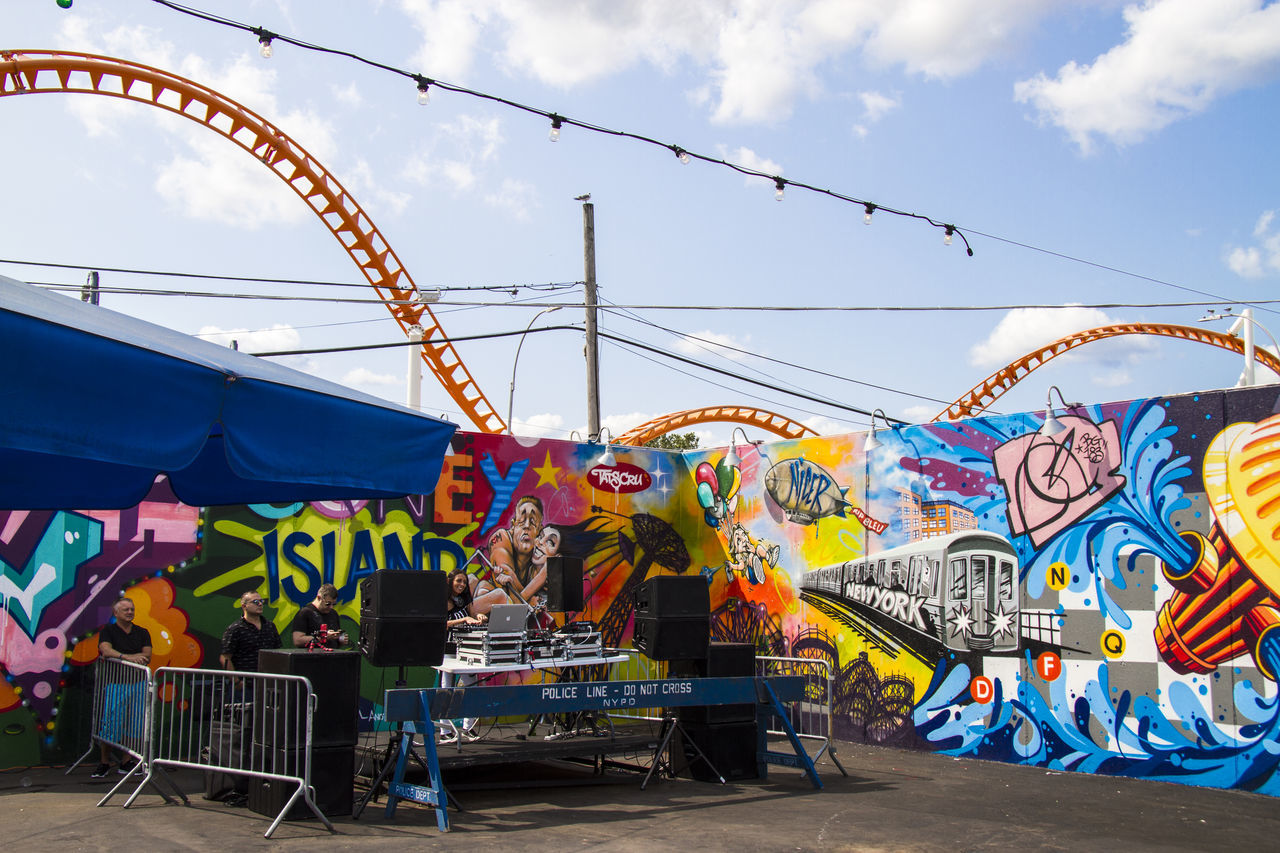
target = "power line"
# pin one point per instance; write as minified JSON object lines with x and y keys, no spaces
{"x":605,"y":335}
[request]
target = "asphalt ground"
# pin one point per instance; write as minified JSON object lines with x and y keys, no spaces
{"x":891,"y":800}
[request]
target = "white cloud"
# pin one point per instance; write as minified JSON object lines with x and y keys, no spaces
{"x":514,"y":196}
{"x":542,"y":426}
{"x":751,"y":160}
{"x":459,"y":154}
{"x":922,"y":413}
{"x":365,"y":376}
{"x":1022,"y":330}
{"x":875,"y":106}
{"x":705,"y":342}
{"x":348,"y":94}
{"x":1260,"y":260}
{"x":278,"y":337}
{"x":758,"y":57}
{"x":826,"y":426}
{"x":1177,"y":58}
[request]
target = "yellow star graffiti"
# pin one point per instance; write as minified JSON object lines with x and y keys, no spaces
{"x":547,"y":473}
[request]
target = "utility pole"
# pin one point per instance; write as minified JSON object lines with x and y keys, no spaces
{"x":413,"y":376}
{"x":89,"y":292}
{"x":593,"y":351}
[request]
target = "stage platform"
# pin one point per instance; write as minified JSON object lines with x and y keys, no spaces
{"x":630,"y":743}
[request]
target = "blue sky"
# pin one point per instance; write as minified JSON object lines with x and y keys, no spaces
{"x":1131,"y":144}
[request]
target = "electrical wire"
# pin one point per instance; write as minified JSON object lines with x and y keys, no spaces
{"x":605,"y":335}
{"x":558,"y":121}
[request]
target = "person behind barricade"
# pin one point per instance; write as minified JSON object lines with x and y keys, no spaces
{"x":459,"y":616}
{"x":317,"y":624}
{"x":123,"y":701}
{"x":245,"y":636}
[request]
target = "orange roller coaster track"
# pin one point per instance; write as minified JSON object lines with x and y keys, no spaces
{"x":38,"y":72}
{"x":981,"y":396}
{"x":776,"y":424}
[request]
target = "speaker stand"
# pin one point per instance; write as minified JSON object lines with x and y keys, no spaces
{"x":395,"y":748}
{"x":670,"y":725}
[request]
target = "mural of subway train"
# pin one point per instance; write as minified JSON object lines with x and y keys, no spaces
{"x":960,"y":589}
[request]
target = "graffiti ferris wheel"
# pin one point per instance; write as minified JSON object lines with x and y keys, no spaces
{"x":51,"y":72}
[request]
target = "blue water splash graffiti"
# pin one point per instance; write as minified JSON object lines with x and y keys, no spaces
{"x":1109,"y":540}
{"x":1057,"y":731}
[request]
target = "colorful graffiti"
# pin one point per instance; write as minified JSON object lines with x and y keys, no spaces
{"x":1101,"y":594}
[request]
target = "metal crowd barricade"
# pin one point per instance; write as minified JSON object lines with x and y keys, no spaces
{"x":121,"y":717}
{"x":812,"y":716}
{"x":636,"y":667}
{"x":250,"y":725}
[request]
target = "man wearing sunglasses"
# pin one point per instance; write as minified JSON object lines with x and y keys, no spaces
{"x":245,"y":636}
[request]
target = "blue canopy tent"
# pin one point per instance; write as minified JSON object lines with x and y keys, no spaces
{"x":95,"y":404}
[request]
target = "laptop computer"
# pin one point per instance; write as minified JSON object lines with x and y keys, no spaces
{"x":508,"y":618}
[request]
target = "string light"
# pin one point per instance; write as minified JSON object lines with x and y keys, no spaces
{"x":424,"y":83}
{"x":781,"y":190}
{"x":264,"y":41}
{"x":946,"y":235}
{"x":870,"y":209}
{"x":265,"y":38}
{"x":681,"y":154}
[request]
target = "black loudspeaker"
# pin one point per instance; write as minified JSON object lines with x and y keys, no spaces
{"x":674,"y":595}
{"x":564,"y":584}
{"x":335,"y":680}
{"x":673,"y":617}
{"x":723,"y":660}
{"x":403,"y":642}
{"x":404,"y":594}
{"x":731,"y":747}
{"x":672,"y":638}
{"x":402,"y":617}
{"x":332,"y":776}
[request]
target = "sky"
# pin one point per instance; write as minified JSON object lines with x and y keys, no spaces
{"x":1107,"y":162}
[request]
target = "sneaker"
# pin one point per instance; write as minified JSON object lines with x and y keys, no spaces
{"x":471,"y":735}
{"x":100,"y":772}
{"x":447,"y":738}
{"x":125,"y":767}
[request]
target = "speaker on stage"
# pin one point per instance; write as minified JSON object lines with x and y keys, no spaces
{"x":403,"y":642}
{"x":564,"y":584}
{"x":332,"y":777}
{"x":731,"y":748}
{"x":402,"y":617}
{"x":673,"y":617}
{"x":674,"y":595}
{"x":723,"y":660}
{"x":404,"y":594}
{"x":335,"y":680}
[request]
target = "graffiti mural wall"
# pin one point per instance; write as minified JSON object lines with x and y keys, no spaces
{"x":1099,"y":594}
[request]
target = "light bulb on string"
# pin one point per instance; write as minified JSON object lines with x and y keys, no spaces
{"x":424,"y":95}
{"x":781,"y":189}
{"x":946,"y":234}
{"x":264,"y":41}
{"x":870,"y":209}
{"x":681,"y":154}
{"x":555,"y":128}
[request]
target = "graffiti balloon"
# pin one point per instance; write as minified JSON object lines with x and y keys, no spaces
{"x":704,"y":473}
{"x":706,"y":497}
{"x":728,"y":478}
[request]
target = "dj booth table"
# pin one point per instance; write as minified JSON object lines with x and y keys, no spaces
{"x":423,"y":707}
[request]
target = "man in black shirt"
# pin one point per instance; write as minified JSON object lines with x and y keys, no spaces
{"x":319,"y":616}
{"x":245,"y":636}
{"x":124,"y":694}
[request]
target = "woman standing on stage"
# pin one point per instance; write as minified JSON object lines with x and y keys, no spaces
{"x":459,"y":610}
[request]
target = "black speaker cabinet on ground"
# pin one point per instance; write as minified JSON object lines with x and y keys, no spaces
{"x":671,"y":637}
{"x":564,"y":584}
{"x":401,"y":594}
{"x":674,"y":595}
{"x":332,"y":776}
{"x":723,"y":660}
{"x":731,"y":747}
{"x":335,"y":679}
{"x":389,"y":641}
